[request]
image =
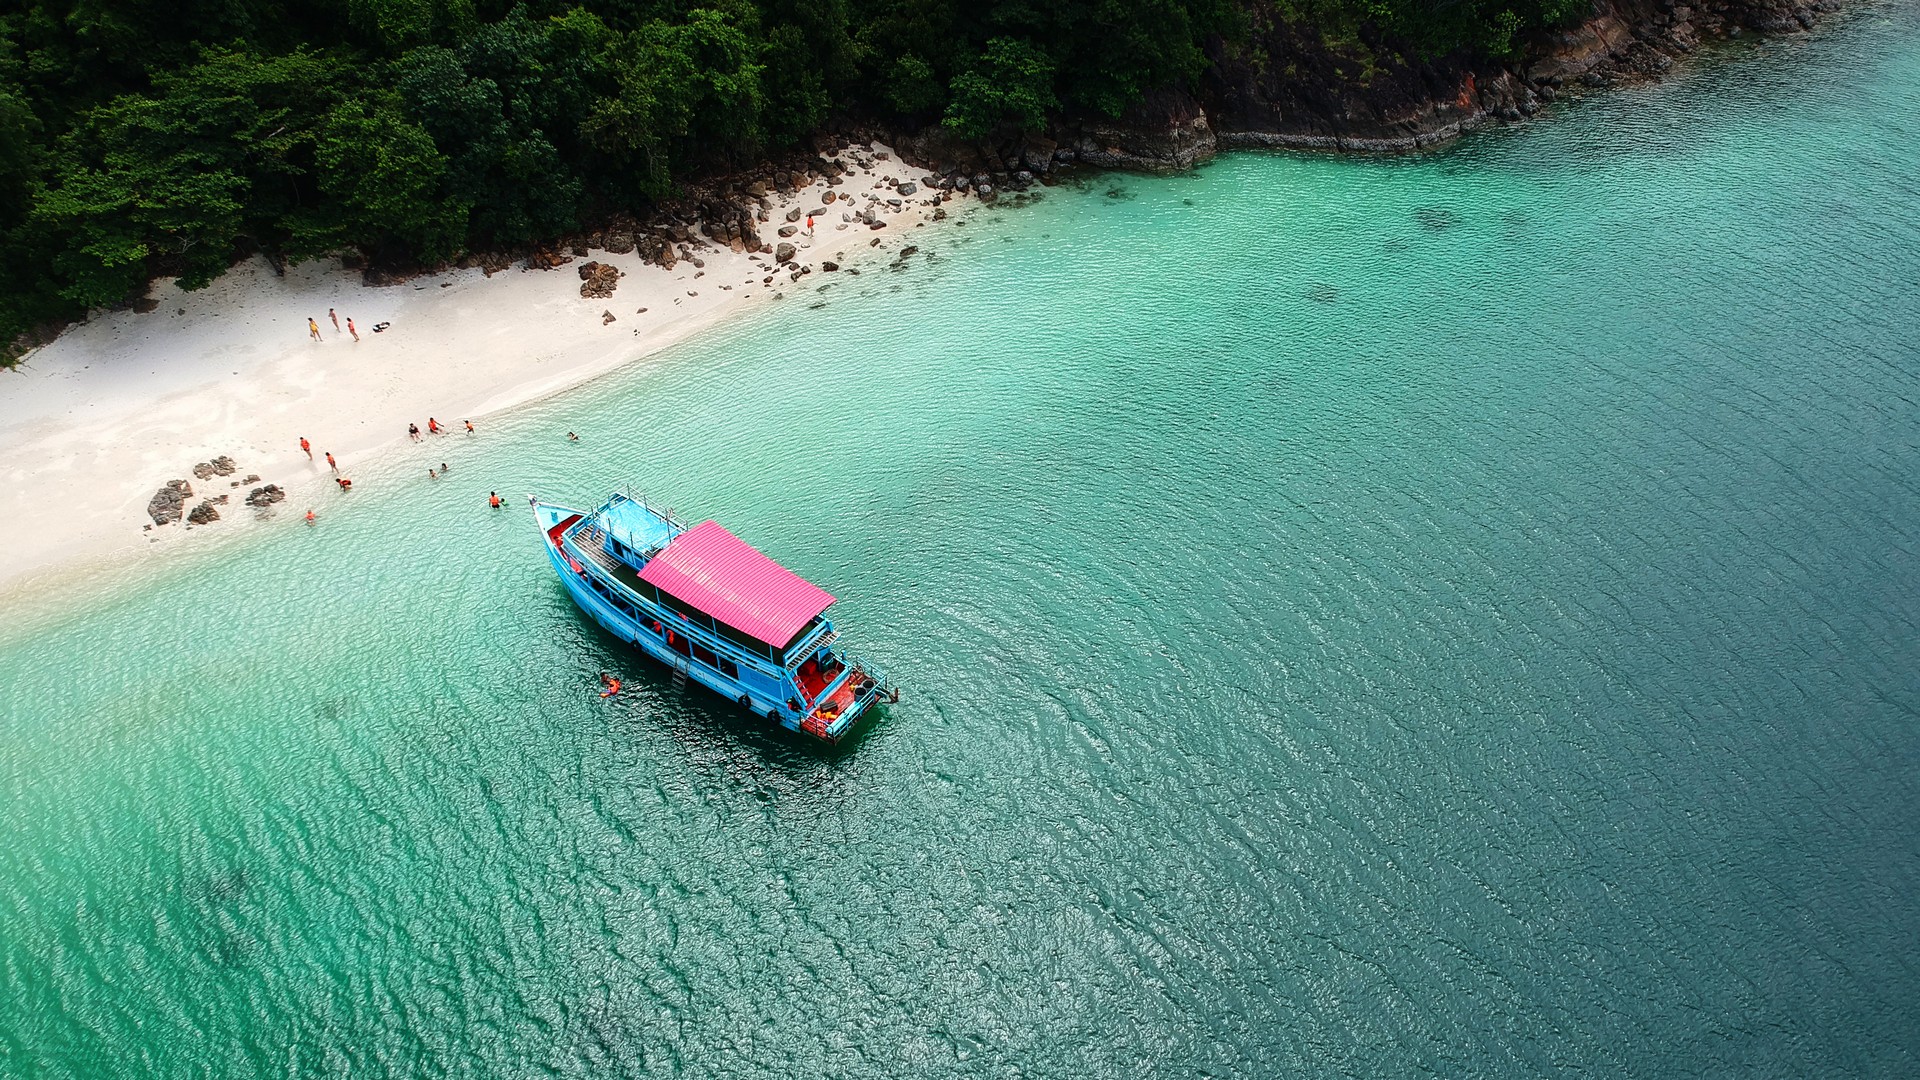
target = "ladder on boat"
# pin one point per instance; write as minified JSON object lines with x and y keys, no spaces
{"x":679,"y":673}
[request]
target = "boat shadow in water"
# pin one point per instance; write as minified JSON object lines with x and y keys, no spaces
{"x":697,"y":718}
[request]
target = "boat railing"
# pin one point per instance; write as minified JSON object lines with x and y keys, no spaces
{"x":665,"y":514}
{"x":801,"y":655}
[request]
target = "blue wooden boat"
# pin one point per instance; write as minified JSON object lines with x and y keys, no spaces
{"x":715,"y":610}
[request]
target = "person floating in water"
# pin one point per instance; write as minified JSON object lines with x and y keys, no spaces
{"x":571,"y":437}
{"x":493,"y":499}
{"x":443,"y":469}
{"x":612,"y":685}
{"x":431,"y":475}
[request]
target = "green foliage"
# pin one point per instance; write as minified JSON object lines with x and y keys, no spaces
{"x":683,"y":94}
{"x":143,"y":137}
{"x":1011,"y":85}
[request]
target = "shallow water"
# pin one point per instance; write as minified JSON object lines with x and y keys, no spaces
{"x":1452,"y":613}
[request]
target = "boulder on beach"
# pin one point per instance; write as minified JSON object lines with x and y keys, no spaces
{"x":169,"y":502}
{"x":262,"y":497}
{"x":203,"y":471}
{"x":829,"y":265}
{"x":789,"y":230}
{"x":223,"y":465}
{"x":783,"y":253}
{"x":793,"y":214}
{"x":598,"y":280}
{"x":908,"y":188}
{"x":203,"y":514}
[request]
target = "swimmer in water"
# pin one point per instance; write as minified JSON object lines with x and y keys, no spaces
{"x":309,"y":515}
{"x":571,"y":437}
{"x":431,"y":475}
{"x":493,"y":499}
{"x":612,"y":685}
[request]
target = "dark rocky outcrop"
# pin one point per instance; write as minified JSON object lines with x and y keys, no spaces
{"x":261,"y":498}
{"x":203,"y":514}
{"x":1285,"y":85}
{"x":598,"y":280}
{"x":168,"y":504}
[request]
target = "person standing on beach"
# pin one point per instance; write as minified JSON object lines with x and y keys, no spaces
{"x":306,"y":447}
{"x":336,"y":320}
{"x":351,"y":330}
{"x":313,"y":328}
{"x":809,"y":224}
{"x":331,"y":465}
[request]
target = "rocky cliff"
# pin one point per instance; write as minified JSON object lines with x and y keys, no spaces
{"x":1285,"y":85}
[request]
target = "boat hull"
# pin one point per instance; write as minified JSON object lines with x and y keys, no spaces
{"x":753,"y":691}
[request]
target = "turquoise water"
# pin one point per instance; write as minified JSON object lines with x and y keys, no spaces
{"x":1451,"y":614}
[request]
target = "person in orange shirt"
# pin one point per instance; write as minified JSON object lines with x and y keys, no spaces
{"x":493,"y":499}
{"x":306,"y":447}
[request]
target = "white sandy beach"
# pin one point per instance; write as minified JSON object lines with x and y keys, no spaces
{"x":94,"y":422}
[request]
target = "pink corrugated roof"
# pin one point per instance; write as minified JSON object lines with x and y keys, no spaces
{"x":714,"y":571}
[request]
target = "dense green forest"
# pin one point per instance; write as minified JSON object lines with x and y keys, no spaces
{"x":143,"y":137}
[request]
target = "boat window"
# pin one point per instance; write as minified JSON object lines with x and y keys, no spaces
{"x":728,"y":668}
{"x":706,"y":656}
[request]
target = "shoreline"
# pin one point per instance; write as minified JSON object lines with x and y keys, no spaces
{"x":119,"y":405}
{"x":78,"y":416}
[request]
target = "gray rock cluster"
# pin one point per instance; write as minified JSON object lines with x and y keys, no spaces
{"x":598,"y":280}
{"x":168,"y":504}
{"x":203,"y":514}
{"x":262,"y":497}
{"x":220,"y":466}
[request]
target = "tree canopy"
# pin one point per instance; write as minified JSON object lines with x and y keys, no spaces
{"x":144,"y":137}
